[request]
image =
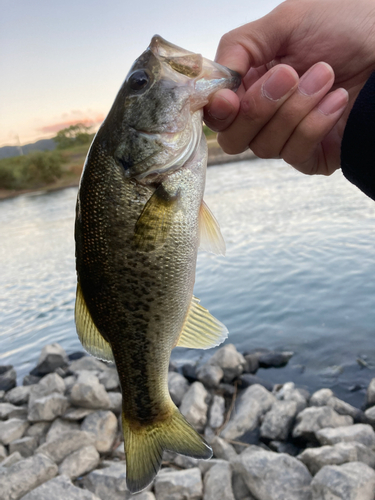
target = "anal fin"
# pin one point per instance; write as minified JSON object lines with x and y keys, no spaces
{"x":201,"y":330}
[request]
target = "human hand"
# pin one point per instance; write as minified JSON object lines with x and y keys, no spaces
{"x":283,"y":108}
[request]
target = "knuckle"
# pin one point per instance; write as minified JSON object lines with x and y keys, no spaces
{"x":249,"y":109}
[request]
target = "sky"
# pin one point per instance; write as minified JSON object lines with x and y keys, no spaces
{"x":63,"y":62}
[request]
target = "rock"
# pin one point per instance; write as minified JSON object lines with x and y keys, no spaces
{"x":87,"y":392}
{"x":230,"y":361}
{"x":210,"y":375}
{"x":52,"y":356}
{"x":254,"y":402}
{"x":31,"y":380}
{"x":25,"y":446}
{"x":222,"y":449}
{"x":189,"y":371}
{"x":47,"y":408}
{"x":361,"y":433}
{"x":274,"y":359}
{"x":103,"y":424}
{"x":352,"y":481}
{"x":80,"y":462}
{"x":69,"y":382}
{"x":343,"y":408}
{"x":18,"y":395}
{"x":252,"y":363}
{"x":218,"y":483}
{"x":282,"y":447}
{"x":246,"y":380}
{"x":108,"y":483}
{"x":65,"y":444}
{"x":239,"y":488}
{"x":370,"y":415}
{"x":340,"y":453}
{"x":77,"y":355}
{"x":370,"y":394}
{"x":3,"y":452}
{"x":144,"y":495}
{"x":194,"y":406}
{"x":288,"y":392}
{"x":7,"y":410}
{"x":26,"y":475}
{"x":11,"y":459}
{"x":278,"y":422}
{"x":321,"y":397}
{"x":109,"y":379}
{"x":59,"y":426}
{"x":178,"y":386}
{"x":116,"y":402}
{"x":12,"y":429}
{"x":38,"y":430}
{"x":206,"y":465}
{"x":77,"y":413}
{"x":180,"y":485}
{"x":119,"y":452}
{"x":51,"y":383}
{"x":311,"y":419}
{"x":8,"y":378}
{"x":59,"y":488}
{"x":216,"y":412}
{"x":2,"y":396}
{"x":87,"y":363}
{"x":273,"y":476}
{"x":181,"y":461}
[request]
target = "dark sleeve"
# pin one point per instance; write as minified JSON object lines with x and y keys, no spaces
{"x":358,"y":143}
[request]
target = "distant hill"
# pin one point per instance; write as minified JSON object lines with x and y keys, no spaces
{"x":42,"y":145}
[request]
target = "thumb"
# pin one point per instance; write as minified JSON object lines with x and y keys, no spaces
{"x":257,"y":43}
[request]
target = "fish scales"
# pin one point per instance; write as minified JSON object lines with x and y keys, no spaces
{"x":140,"y":218}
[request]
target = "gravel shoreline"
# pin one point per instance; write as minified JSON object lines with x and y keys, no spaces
{"x":60,"y":434}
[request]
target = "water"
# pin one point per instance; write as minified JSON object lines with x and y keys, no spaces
{"x":298,"y":274}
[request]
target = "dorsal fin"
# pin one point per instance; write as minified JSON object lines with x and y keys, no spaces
{"x":201,"y":330}
{"x":91,"y":339}
{"x":210,"y":237}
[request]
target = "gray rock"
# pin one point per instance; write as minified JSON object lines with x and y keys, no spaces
{"x":12,"y":459}
{"x":278,"y":422}
{"x":18,"y":395}
{"x":109,"y":379}
{"x":253,"y":403}
{"x":144,"y":495}
{"x":230,"y":361}
{"x":206,"y":465}
{"x":216,"y":412}
{"x":210,"y":375}
{"x":311,"y":419}
{"x":59,"y":426}
{"x":274,"y":359}
{"x":194,"y":406}
{"x":26,"y":475}
{"x":108,"y":483}
{"x":88,"y":392}
{"x":103,"y":424}
{"x":370,"y":394}
{"x":222,"y":449}
{"x":47,"y":408}
{"x":2,"y":396}
{"x":288,"y":392}
{"x":59,"y":488}
{"x":31,"y":380}
{"x":8,"y":378}
{"x":284,"y":447}
{"x":321,"y":397}
{"x":74,"y":414}
{"x":273,"y":476}
{"x":119,"y":452}
{"x":181,"y":461}
{"x":370,"y":415}
{"x":25,"y":446}
{"x":178,"y":386}
{"x":218,"y":483}
{"x":80,"y":462}
{"x":87,"y":363}
{"x":51,"y":383}
{"x":352,"y":481}
{"x":361,"y":433}
{"x":239,"y":487}
{"x":116,"y":402}
{"x":3,"y":452}
{"x":12,"y":429}
{"x":69,"y":382}
{"x":247,"y":379}
{"x":38,"y":430}
{"x":52,"y":356}
{"x":7,"y":410}
{"x":343,"y":408}
{"x":252,"y":363}
{"x":65,"y":444}
{"x":179,"y":485}
{"x":340,"y":453}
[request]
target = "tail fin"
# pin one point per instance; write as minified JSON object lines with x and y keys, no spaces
{"x":144,"y":447}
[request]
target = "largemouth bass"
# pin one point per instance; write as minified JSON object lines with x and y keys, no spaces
{"x":140,"y":220}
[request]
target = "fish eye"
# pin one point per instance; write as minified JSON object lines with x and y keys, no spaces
{"x":139,"y":80}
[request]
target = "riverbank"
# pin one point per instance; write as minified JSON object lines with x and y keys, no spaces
{"x":74,"y":160}
{"x":60,"y":433}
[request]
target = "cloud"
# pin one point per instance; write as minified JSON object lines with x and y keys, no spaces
{"x":55,"y":127}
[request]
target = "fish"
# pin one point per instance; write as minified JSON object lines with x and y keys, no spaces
{"x":140,"y":218}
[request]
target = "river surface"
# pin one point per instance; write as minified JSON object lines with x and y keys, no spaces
{"x":298,"y":274}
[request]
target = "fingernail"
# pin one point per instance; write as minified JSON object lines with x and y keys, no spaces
{"x":220,"y":108}
{"x":278,"y":84}
{"x":333,"y":102}
{"x":315,"y":79}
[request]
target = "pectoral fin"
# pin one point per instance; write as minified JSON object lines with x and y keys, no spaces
{"x":91,"y":340}
{"x":210,"y":237}
{"x":156,"y":220}
{"x":201,"y":330}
